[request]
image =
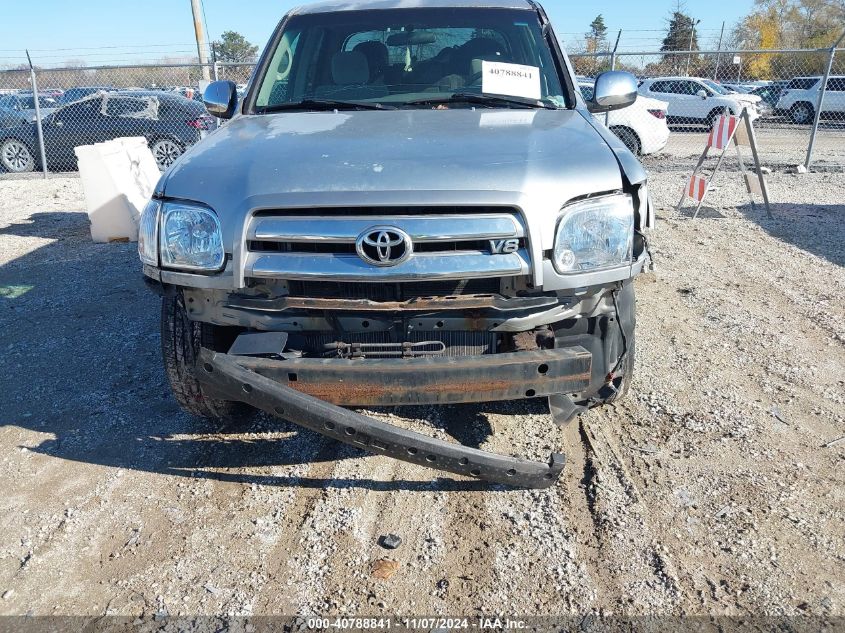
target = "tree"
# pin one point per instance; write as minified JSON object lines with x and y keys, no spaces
{"x":597,"y":35}
{"x":680,"y":36}
{"x":233,"y":47}
{"x":679,"y":33}
{"x":788,"y":24}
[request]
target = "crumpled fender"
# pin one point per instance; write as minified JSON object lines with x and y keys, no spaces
{"x":632,"y":170}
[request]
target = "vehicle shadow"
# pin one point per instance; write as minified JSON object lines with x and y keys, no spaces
{"x":80,"y":364}
{"x":818,"y":229}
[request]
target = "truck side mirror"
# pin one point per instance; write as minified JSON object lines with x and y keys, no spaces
{"x":613,"y":90}
{"x":221,"y":99}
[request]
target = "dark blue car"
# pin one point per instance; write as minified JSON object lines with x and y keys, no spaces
{"x":169,"y":122}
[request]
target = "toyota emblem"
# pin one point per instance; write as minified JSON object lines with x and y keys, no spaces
{"x":384,"y":246}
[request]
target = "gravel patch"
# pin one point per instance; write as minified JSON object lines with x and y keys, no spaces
{"x":712,"y":489}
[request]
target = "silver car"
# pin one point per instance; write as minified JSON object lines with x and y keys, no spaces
{"x":412,"y":204}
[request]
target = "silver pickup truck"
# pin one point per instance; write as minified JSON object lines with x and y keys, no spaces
{"x":411,"y":204}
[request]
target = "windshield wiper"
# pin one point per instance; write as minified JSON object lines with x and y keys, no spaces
{"x":483,"y":99}
{"x":324,"y":104}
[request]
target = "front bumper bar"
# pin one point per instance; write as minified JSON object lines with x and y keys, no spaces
{"x":431,"y":380}
{"x":229,"y":378}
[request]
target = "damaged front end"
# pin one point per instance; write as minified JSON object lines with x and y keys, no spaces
{"x":239,"y":378}
{"x":301,"y":358}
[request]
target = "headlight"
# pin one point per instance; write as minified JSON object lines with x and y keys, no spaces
{"x":595,"y":235}
{"x":148,"y":234}
{"x":190,"y":238}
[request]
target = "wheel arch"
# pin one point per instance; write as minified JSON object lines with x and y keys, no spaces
{"x":628,"y":130}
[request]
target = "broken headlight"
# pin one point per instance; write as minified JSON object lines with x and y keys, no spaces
{"x":595,"y":235}
{"x":190,"y":238}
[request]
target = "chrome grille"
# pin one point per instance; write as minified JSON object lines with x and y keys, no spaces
{"x":446,"y":246}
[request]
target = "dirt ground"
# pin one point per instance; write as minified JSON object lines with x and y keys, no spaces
{"x":713,"y":489}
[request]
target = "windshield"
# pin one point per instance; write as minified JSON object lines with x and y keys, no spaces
{"x":398,"y":57}
{"x":717,"y":88}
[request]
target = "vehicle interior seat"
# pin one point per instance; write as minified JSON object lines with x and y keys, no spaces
{"x":468,"y":58}
{"x":378,"y":58}
{"x":351,"y":76}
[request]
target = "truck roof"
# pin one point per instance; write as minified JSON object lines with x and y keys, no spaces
{"x":356,"y":5}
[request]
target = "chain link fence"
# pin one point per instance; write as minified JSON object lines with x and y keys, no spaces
{"x":796,"y":98}
{"x":81,"y":106}
{"x":681,"y":92}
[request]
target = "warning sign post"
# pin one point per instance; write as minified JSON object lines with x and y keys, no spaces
{"x":727,"y":130}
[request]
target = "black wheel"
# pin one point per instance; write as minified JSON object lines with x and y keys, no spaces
{"x":181,"y":340}
{"x":714,"y":116}
{"x":630,"y":138}
{"x":802,"y":113}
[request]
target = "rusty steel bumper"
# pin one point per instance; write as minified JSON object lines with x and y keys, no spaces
{"x":437,"y":380}
{"x":242,"y":379}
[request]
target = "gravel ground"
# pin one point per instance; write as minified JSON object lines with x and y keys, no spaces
{"x":709,"y":490}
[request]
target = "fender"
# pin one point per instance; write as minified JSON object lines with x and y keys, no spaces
{"x":632,"y":169}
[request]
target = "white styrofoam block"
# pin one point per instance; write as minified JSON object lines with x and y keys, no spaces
{"x":118,"y":178}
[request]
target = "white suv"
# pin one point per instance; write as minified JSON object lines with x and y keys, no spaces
{"x":696,"y":100}
{"x":641,"y":126}
{"x":800,"y":96}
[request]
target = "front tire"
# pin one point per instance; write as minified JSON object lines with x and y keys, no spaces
{"x":802,"y":113}
{"x":16,"y":157}
{"x":626,"y":304}
{"x":622,"y":382}
{"x":181,"y":340}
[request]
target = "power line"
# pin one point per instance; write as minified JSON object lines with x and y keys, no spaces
{"x":96,"y":48}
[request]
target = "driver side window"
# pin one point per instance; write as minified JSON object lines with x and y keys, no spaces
{"x":689,"y":88}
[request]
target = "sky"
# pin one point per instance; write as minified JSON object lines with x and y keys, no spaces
{"x":112,"y":31}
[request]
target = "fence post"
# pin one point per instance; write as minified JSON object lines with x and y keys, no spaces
{"x":34,"y":83}
{"x":718,"y":54}
{"x":615,"y":47}
{"x":820,"y":102}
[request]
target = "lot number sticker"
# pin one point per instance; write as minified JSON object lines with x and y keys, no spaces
{"x":513,"y":80}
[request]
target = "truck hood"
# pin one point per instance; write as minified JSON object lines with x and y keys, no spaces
{"x":268,"y":160}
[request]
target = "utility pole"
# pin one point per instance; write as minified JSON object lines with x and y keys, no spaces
{"x":202,"y":45}
{"x":38,"y":124}
{"x":718,"y":54}
{"x":691,"y":38}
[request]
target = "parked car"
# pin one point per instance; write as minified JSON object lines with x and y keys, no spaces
{"x":801,"y":96}
{"x":641,"y":126}
{"x":738,"y":88}
{"x":55,"y":93}
{"x":80,"y":92}
{"x":372,"y":231}
{"x":696,"y":100}
{"x":10,"y":118}
{"x":169,"y":122}
{"x":24,"y":104}
{"x":769,"y":94}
